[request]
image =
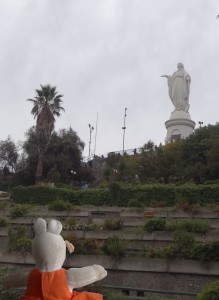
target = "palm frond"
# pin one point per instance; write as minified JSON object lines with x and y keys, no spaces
{"x":46,"y":104}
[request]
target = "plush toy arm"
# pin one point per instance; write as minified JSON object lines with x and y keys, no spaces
{"x":17,"y":279}
{"x":79,"y":277}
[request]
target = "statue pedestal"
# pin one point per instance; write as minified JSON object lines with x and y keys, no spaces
{"x":179,"y":126}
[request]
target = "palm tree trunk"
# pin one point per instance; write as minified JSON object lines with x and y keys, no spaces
{"x":39,"y":170}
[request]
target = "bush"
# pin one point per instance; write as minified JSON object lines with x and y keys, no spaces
{"x":112,"y":224}
{"x":3,"y":221}
{"x":86,"y":246}
{"x":192,"y":225}
{"x":24,"y":245}
{"x":185,"y":247}
{"x":183,"y":243}
{"x":91,"y":246}
{"x":114,"y":247}
{"x":18,"y":241}
{"x":71,"y":221}
{"x":153,"y":253}
{"x":20,"y":211}
{"x":170,"y":251}
{"x":210,"y":292}
{"x":206,"y":251}
{"x":60,"y":205}
{"x":155,"y":224}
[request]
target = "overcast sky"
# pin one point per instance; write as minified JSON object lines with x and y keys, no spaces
{"x":104,"y":56}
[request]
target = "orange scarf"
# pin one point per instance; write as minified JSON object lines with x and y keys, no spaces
{"x":53,"y":286}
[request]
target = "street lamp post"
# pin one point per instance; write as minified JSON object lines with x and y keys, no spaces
{"x":91,"y":129}
{"x":72,"y":175}
{"x":124,"y":128}
{"x":200,"y":124}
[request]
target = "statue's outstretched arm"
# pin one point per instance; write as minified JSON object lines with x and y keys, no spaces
{"x":165,"y":76}
{"x":79,"y":277}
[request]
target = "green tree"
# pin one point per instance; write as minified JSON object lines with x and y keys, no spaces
{"x":197,"y":154}
{"x":8,"y":154}
{"x":213,"y":159}
{"x":148,"y":161}
{"x":63,"y":155}
{"x":148,"y":147}
{"x":168,"y":162}
{"x":46,"y":106}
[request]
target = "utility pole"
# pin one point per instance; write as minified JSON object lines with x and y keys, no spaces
{"x":95,"y":135}
{"x":91,"y":129}
{"x":124,"y":128}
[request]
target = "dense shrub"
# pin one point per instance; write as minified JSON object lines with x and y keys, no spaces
{"x":3,"y":221}
{"x":183,"y":239}
{"x":18,"y":240}
{"x":199,"y":194}
{"x":208,"y":251}
{"x":112,"y":224}
{"x":60,"y":205}
{"x":191,"y":225}
{"x":20,"y":211}
{"x":83,"y":246}
{"x":86,"y":246}
{"x":114,"y":247}
{"x":210,"y":292}
{"x":71,"y":221}
{"x":153,"y":252}
{"x":24,"y":245}
{"x":182,"y":246}
{"x":155,"y":224}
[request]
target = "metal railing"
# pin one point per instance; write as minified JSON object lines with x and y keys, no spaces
{"x":120,"y":152}
{"x":127,"y":290}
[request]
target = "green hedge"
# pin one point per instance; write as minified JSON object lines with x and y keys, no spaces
{"x":199,"y":194}
{"x":44,"y":195}
{"x":167,"y":195}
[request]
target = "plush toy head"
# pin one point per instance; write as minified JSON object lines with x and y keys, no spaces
{"x":48,"y":246}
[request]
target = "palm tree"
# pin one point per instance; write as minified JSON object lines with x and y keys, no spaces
{"x":46,"y":106}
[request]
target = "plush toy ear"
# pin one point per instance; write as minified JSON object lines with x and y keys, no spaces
{"x":54,"y":226}
{"x":39,"y":226}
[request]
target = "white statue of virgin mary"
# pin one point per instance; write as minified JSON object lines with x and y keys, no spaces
{"x":179,"y":88}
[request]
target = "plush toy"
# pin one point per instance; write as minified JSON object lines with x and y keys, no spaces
{"x":49,"y":281}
